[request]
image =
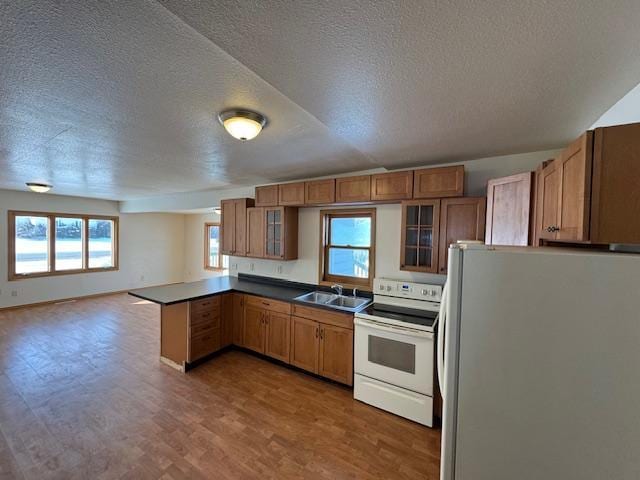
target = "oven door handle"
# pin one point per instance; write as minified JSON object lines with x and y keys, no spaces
{"x":392,"y":329}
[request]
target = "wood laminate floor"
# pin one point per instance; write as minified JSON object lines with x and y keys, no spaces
{"x":83,"y":395}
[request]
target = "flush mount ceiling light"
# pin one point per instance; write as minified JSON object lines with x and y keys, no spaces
{"x":38,"y":187}
{"x":242,"y":124}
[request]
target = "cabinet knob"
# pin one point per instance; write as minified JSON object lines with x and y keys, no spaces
{"x":317,"y":332}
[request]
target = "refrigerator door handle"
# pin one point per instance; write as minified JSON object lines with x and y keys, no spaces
{"x":442,"y":320}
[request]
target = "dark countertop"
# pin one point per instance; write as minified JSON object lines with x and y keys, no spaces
{"x":253,"y":285}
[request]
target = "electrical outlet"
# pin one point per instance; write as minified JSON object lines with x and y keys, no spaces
{"x":234,"y":266}
{"x":252,"y":267}
{"x":14,"y":293}
{"x":279,"y":269}
{"x":142,"y":278}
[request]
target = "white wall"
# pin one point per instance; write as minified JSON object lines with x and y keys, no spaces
{"x":626,"y":110}
{"x":151,"y":250}
{"x":388,"y":225}
{"x":194,"y":247}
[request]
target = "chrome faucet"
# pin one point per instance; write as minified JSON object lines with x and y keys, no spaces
{"x":355,"y":292}
{"x":338,"y":288}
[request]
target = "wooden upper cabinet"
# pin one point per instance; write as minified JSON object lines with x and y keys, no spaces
{"x":320,"y":192}
{"x":509,"y":209}
{"x":255,"y":232}
{"x":392,"y":186}
{"x":460,"y":219}
{"x":353,"y":189}
{"x":548,"y":197}
{"x":419,"y":237}
{"x":234,"y":226}
{"x":336,"y":353}
{"x":305,"y":342}
{"x":267,"y":196}
{"x":228,"y":228}
{"x":563,"y":197}
{"x":281,"y":233}
{"x":616,"y":185}
{"x":278,"y":336}
{"x":438,"y":182}
{"x":574,"y":165}
{"x":291,"y":194}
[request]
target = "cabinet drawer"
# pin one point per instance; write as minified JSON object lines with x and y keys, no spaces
{"x":202,"y":329}
{"x":209,"y":303}
{"x":268,"y":304}
{"x":208,"y":318}
{"x":204,"y":344}
{"x":339,"y":319}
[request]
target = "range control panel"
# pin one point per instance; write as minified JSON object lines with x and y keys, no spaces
{"x":417,"y":291}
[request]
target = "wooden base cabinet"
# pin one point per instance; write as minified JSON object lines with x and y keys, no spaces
{"x":322,"y":343}
{"x":238,"y":319}
{"x":254,"y":327}
{"x":267,"y":327}
{"x":305,"y":334}
{"x":278,"y":336}
{"x":335,"y":360}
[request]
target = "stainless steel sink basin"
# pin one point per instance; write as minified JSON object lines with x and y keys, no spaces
{"x":348,"y":302}
{"x":340,"y":302}
{"x":317,"y":297}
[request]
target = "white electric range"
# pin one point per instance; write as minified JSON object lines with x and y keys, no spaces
{"x":394,"y":349}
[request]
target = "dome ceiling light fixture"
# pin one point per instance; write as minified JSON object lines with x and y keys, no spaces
{"x":38,"y":187}
{"x":242,"y":124}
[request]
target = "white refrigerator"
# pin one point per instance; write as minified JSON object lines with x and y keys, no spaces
{"x":541,"y":360}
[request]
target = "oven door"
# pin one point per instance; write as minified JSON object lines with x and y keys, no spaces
{"x":396,"y":355}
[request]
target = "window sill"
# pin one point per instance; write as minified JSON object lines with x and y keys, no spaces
{"x":15,"y":277}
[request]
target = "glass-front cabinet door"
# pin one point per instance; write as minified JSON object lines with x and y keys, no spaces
{"x":420,"y":232}
{"x":274,"y":231}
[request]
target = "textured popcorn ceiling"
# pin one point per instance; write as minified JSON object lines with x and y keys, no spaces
{"x":118,"y":99}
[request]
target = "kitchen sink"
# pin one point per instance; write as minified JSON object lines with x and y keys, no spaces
{"x":317,"y":297}
{"x":348,"y":302}
{"x":332,"y":300}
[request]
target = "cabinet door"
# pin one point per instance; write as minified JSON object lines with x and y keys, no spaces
{"x":392,"y":186}
{"x":273,"y":219}
{"x":255,"y":232}
{"x":438,"y":182}
{"x":238,"y":319}
{"x":616,"y":177}
{"x":291,"y":194}
{"x":278,"y":341}
{"x":228,"y":222}
{"x":508,"y":210}
{"x":226,"y":333}
{"x":548,"y":201}
{"x":336,"y":354}
{"x":267,"y":196}
{"x":320,"y":192}
{"x":305,"y":342}
{"x":353,"y":189}
{"x":254,"y":328}
{"x":419,"y":237}
{"x":460,"y":219}
{"x":574,"y":167}
{"x":240,"y":242}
